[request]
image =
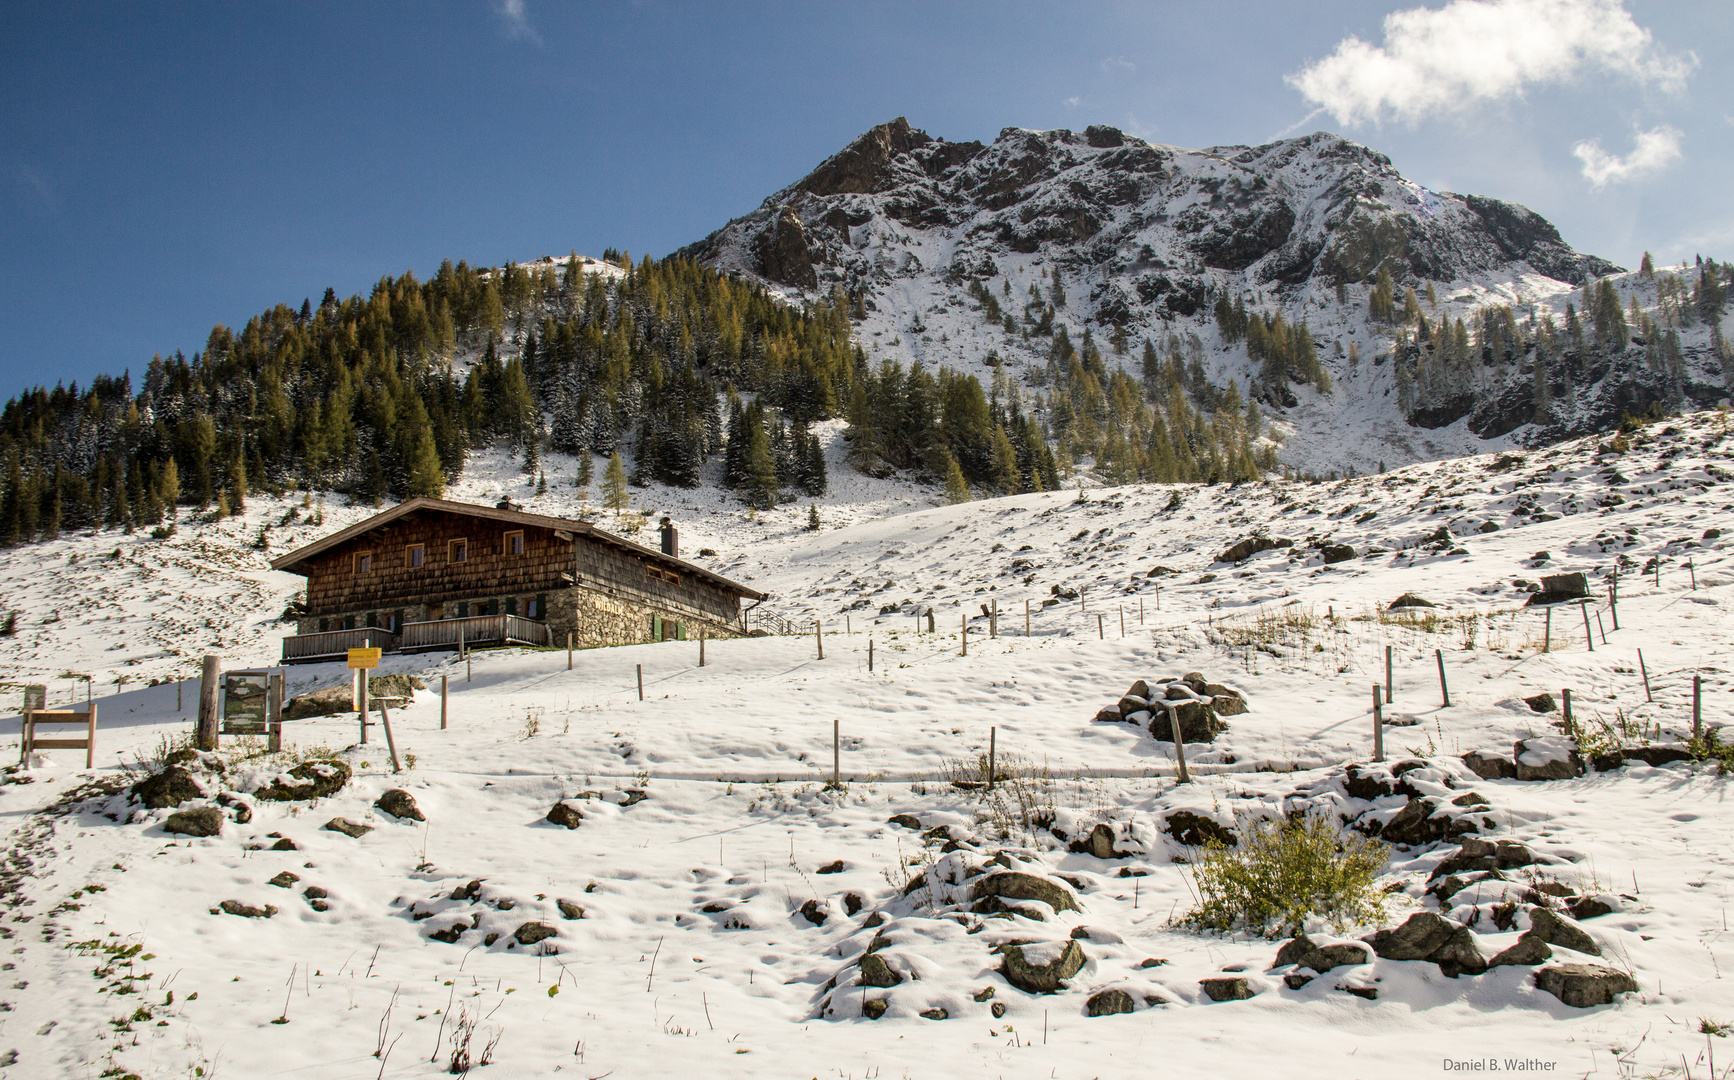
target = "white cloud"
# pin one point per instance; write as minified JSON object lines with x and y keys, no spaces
{"x":517,"y":20}
{"x":1074,"y":102}
{"x":1473,"y":51}
{"x":1118,"y":63}
{"x":1655,"y":150}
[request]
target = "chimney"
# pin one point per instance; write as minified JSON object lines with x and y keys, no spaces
{"x":670,"y":539}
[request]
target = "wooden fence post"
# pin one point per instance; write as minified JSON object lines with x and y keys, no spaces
{"x":965,"y":634}
{"x":1693,"y":571}
{"x":1444,"y":691}
{"x":1614,"y":599}
{"x":210,"y":678}
{"x":701,"y":646}
{"x":568,"y":650}
{"x":1547,"y":633}
{"x":993,"y":618}
{"x":1140,"y":611}
{"x":1646,"y":674}
{"x":640,"y":682}
{"x":442,"y":701}
{"x":1697,"y":706}
{"x":869,"y":654}
{"x":1082,"y":609}
{"x":1122,"y":620}
{"x":1388,"y":650}
{"x":819,"y":636}
{"x":390,"y":743}
{"x":1378,"y":726}
{"x":836,"y":753}
{"x":1101,"y":635}
{"x":361,"y":701}
{"x":992,"y":751}
{"x":1587,"y":639}
{"x":1026,"y":618}
{"x":179,"y":708}
{"x":1179,"y":746}
{"x":1565,"y":697}
{"x":1601,"y":628}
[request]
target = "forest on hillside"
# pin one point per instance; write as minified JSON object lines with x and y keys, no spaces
{"x":663,"y":364}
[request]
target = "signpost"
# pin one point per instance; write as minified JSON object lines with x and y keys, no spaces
{"x":361,"y":661}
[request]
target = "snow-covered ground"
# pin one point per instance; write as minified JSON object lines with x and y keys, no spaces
{"x":689,"y":956}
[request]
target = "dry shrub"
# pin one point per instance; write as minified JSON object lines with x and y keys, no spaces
{"x":1281,"y":872}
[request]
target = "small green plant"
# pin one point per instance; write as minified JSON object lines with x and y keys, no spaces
{"x":1710,"y":747}
{"x":1707,"y":1026}
{"x":1281,"y":872}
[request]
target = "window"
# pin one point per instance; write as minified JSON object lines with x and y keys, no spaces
{"x":514,"y":543}
{"x":363,"y":562}
{"x":536,"y":607}
{"x":463,"y":609}
{"x":660,"y":574}
{"x":511,"y":605}
{"x":416,"y":555}
{"x":457,"y":551}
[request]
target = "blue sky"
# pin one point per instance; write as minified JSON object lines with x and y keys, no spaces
{"x":164,"y":167}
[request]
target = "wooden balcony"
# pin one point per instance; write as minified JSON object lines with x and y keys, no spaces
{"x":335,"y":644}
{"x":470,"y":632}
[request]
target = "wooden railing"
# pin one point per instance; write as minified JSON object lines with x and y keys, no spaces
{"x":305,"y":648}
{"x":474,"y":630}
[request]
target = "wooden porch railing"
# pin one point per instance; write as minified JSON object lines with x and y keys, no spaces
{"x":474,"y":630}
{"x":306,"y":648}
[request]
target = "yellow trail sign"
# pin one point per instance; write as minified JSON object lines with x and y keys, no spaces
{"x":364,"y":658}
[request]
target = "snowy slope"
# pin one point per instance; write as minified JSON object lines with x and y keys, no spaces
{"x":691,"y":952}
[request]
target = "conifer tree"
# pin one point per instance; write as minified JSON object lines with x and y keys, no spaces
{"x":956,"y":488}
{"x":614,"y":485}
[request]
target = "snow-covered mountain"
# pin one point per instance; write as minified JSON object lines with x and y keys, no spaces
{"x":1144,"y":238}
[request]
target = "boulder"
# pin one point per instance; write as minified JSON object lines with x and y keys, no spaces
{"x":400,"y":804}
{"x":1490,"y":765}
{"x":1343,"y":954}
{"x":1417,"y":939}
{"x":814,"y":912}
{"x":1293,"y":950}
{"x":1252,"y":545}
{"x":1556,"y":929}
{"x":1336,"y":553}
{"x":1140,"y":690}
{"x":1196,"y":830}
{"x":1460,"y":954}
{"x":1548,"y":758}
{"x":1129,"y":705}
{"x":450,"y":934}
{"x":1036,"y":976}
{"x":283,"y":880}
{"x":1109,"y":714}
{"x":285,"y":844}
{"x":247,"y":911}
{"x":1528,"y":951}
{"x":565,"y":815}
{"x":1477,"y":854}
{"x":1016,"y":885}
{"x":876,"y":972}
{"x":1226,"y":988}
{"x":1565,"y":586}
{"x":173,"y":786}
{"x":1416,"y":825}
{"x":200,"y":821}
{"x":569,"y":909}
{"x":1590,"y":907}
{"x":1198,"y":721}
{"x":1100,"y":843}
{"x":348,"y":828}
{"x":1409,"y":599}
{"x":874,"y":1008}
{"x":1656,"y":755}
{"x":1584,"y":986}
{"x":308,"y":780}
{"x":531,"y":932}
{"x":938,"y":1012}
{"x":1541,"y":703}
{"x":1109,"y":1002}
{"x":907,"y":821}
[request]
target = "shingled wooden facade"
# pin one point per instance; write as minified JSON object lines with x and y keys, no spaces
{"x":430,"y":561}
